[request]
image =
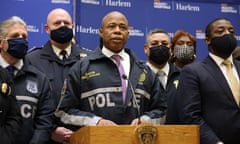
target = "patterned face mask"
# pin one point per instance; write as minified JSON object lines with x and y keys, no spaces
{"x":184,"y":54}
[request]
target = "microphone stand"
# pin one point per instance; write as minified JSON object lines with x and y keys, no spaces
{"x":134,"y":98}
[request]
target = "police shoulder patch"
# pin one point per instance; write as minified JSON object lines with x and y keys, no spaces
{"x":32,"y":86}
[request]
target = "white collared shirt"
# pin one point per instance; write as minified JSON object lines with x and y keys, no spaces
{"x":165,"y":69}
{"x":219,"y":62}
{"x":57,"y":51}
{"x":125,"y":59}
{"x":4,"y":64}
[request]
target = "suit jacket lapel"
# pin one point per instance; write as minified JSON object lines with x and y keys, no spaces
{"x":216,"y":73}
{"x":237,"y":65}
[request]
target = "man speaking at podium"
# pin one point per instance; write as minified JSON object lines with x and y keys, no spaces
{"x":111,"y":86}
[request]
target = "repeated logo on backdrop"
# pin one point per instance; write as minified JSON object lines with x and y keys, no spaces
{"x":143,"y":15}
{"x":162,"y":5}
{"x":225,"y":8}
{"x":61,"y":1}
{"x":111,"y":3}
{"x":93,"y":2}
{"x":178,"y":6}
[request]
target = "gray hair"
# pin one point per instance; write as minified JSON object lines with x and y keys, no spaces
{"x":156,"y":30}
{"x":9,"y":22}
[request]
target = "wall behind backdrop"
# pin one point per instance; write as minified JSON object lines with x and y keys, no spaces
{"x":143,"y":15}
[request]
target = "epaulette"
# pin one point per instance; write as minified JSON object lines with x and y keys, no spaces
{"x":142,"y":61}
{"x":86,"y":49}
{"x":33,"y":49}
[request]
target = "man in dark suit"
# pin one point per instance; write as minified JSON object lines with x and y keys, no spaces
{"x":205,"y":94}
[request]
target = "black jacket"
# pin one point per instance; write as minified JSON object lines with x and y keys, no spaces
{"x":94,"y":92}
{"x":36,"y":106}
{"x":9,"y":111}
{"x":56,"y":70}
{"x":170,"y":92}
{"x":47,"y":61}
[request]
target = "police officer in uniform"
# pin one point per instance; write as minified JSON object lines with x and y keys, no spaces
{"x":31,"y":86}
{"x":56,"y":57}
{"x":9,"y":111}
{"x":157,"y":50}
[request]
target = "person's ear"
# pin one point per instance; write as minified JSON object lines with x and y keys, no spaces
{"x":207,"y":40}
{"x":145,"y":48}
{"x":1,"y":44}
{"x":100,"y":31}
{"x":47,"y":29}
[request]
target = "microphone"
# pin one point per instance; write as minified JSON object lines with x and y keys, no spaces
{"x":134,"y":97}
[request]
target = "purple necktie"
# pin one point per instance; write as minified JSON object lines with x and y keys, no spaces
{"x":122,"y":73}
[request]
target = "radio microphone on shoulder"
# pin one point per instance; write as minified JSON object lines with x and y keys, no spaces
{"x":134,"y":98}
{"x":63,"y":92}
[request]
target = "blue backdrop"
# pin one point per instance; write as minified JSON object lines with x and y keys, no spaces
{"x":143,"y":15}
{"x":34,"y":12}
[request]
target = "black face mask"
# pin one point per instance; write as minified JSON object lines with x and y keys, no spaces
{"x":17,"y":47}
{"x":223,"y":46}
{"x":159,"y":54}
{"x":62,"y":35}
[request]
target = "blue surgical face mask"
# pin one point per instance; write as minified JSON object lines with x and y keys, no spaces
{"x":17,"y":47}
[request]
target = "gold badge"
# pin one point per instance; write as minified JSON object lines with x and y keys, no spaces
{"x":82,"y":55}
{"x":142,"y":77}
{"x":146,"y":134}
{"x":175,"y":82}
{"x":90,"y":74}
{"x":5,"y":89}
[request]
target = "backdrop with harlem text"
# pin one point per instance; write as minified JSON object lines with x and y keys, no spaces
{"x":143,"y":15}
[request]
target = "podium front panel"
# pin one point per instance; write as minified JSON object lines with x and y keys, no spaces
{"x":166,"y":134}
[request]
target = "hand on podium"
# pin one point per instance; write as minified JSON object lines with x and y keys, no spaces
{"x":137,"y":121}
{"x":61,"y":135}
{"x":104,"y":122}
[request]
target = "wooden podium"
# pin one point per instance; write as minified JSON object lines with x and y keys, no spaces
{"x":166,"y":134}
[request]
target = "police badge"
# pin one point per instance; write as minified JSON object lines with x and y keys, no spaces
{"x":146,"y":134}
{"x":32,"y":86}
{"x":5,"y":89}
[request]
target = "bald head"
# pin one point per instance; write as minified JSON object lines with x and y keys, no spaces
{"x":112,"y":15}
{"x":58,"y":14}
{"x":56,"y":19}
